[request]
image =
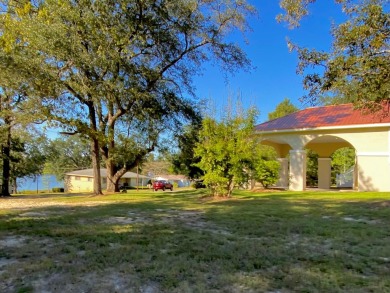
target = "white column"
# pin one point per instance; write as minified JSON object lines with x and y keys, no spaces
{"x":324,"y":172}
{"x":283,"y":173}
{"x":356,"y":175}
{"x":297,"y":170}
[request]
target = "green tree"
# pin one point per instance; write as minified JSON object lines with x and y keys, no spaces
{"x":7,"y":102}
{"x":311,"y":168}
{"x":26,"y":158}
{"x":67,"y":153}
{"x":184,"y":161}
{"x":16,"y":114}
{"x":228,"y":152}
{"x":357,"y":68}
{"x":155,"y":168}
{"x":342,"y":160}
{"x":98,"y":64}
{"x":282,"y":109}
{"x":295,"y":10}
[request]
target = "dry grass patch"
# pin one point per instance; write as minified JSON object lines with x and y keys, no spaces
{"x":183,"y":242}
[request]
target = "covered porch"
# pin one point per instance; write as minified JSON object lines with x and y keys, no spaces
{"x":325,"y":130}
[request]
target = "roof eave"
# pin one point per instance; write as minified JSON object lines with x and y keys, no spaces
{"x":356,"y":126}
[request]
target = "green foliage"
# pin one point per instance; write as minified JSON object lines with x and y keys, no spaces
{"x":342,"y":160}
{"x":184,"y":162}
{"x":15,"y":117}
{"x":224,"y":152}
{"x":295,"y":11}
{"x":67,"y":153}
{"x":311,"y":168}
{"x":357,"y":68}
{"x":104,"y":68}
{"x":258,"y":242}
{"x":267,"y":167}
{"x":282,"y":109}
{"x":229,"y":152}
{"x":57,"y":189}
{"x":27,"y":156}
{"x":198,"y":184}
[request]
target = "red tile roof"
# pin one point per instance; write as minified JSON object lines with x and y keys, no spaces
{"x":327,"y":116}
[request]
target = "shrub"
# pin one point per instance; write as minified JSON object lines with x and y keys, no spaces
{"x":198,"y":184}
{"x":58,"y":189}
{"x":267,"y":172}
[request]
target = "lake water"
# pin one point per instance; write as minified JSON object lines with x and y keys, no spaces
{"x":40,"y":183}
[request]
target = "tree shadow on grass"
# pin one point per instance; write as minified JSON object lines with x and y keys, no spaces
{"x":264,"y":244}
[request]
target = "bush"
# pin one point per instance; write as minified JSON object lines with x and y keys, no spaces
{"x":58,"y":189}
{"x":267,"y":172}
{"x":198,"y":184}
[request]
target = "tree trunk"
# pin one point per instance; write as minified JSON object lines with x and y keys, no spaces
{"x":230,"y":187}
{"x":95,"y":150}
{"x":15,"y":186}
{"x":112,"y":180}
{"x":113,"y":177}
{"x":97,"y":182}
{"x":6,"y":152}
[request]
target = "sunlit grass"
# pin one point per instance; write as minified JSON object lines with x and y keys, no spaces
{"x":183,"y":241}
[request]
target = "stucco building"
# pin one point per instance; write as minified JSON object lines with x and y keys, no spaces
{"x":82,"y":180}
{"x":324,"y":130}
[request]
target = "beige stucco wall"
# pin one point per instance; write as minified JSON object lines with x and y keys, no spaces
{"x":373,"y":172}
{"x":324,"y":173}
{"x":85,"y":184}
{"x":362,"y":139}
{"x":282,"y":148}
{"x":78,"y":184}
{"x":325,"y":150}
{"x":283,"y":181}
{"x":372,"y":146}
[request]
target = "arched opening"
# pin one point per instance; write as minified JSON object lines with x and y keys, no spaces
{"x":281,"y":147}
{"x":311,"y":168}
{"x":282,"y":150}
{"x":343,"y":167}
{"x":330,"y":163}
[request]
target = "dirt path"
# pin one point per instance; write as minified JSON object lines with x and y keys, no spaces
{"x":37,"y":201}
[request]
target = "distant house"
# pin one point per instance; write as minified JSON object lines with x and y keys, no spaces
{"x":180,"y":180}
{"x":82,"y":180}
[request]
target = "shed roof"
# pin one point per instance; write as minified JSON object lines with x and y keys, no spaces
{"x":103,"y":173}
{"x":171,"y":177}
{"x":326,"y":116}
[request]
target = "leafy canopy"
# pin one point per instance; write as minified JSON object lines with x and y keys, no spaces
{"x":97,"y":66}
{"x":357,"y":68}
{"x":282,"y":109}
{"x":184,"y":161}
{"x":230,"y":152}
{"x":65,"y":154}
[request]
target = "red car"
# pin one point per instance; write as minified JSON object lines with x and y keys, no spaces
{"x":161,"y":184}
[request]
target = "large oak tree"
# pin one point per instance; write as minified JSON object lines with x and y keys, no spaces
{"x":105,"y":69}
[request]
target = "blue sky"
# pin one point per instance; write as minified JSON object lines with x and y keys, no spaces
{"x":274,"y":75}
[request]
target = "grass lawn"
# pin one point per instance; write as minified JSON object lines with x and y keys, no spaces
{"x":182,"y":242}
